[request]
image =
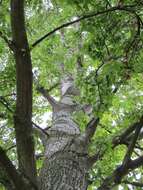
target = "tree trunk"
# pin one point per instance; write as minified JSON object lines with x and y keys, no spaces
{"x":23,"y":112}
{"x":65,"y":165}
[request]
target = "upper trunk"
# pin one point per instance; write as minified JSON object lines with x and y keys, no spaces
{"x":65,"y":165}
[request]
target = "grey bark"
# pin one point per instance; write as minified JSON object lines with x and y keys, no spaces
{"x":66,"y":158}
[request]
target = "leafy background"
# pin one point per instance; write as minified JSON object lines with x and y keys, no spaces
{"x":110,"y":80}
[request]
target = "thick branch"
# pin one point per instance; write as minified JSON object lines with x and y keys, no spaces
{"x":117,"y":175}
{"x":128,"y":164}
{"x":88,"y":16}
{"x":125,"y":136}
{"x":132,"y":143}
{"x":23,"y":114}
{"x":5,"y":181}
{"x":90,"y":130}
{"x":11,"y":171}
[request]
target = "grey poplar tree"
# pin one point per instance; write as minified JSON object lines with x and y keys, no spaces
{"x":66,"y":159}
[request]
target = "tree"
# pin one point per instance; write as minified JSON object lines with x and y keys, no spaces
{"x":87,"y":71}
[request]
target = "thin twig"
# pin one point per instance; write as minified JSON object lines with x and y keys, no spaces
{"x":43,"y":130}
{"x":11,"y":147}
{"x":7,"y":41}
{"x":5,"y":103}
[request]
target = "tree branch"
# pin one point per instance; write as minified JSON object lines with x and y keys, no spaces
{"x":39,"y":128}
{"x":94,"y":158}
{"x":43,"y":135}
{"x":117,"y":175}
{"x":127,"y":165}
{"x":125,"y":136}
{"x":23,"y":113}
{"x":8,"y":42}
{"x":5,"y":181}
{"x":133,"y":183}
{"x":46,"y":94}
{"x":11,"y":171}
{"x":88,"y":16}
{"x":6,"y":104}
{"x":132,"y":143}
{"x":90,"y":130}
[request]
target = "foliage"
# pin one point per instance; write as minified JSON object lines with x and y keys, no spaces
{"x":110,"y":46}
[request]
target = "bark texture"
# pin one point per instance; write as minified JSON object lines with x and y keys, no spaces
{"x":65,"y":165}
{"x":23,"y":113}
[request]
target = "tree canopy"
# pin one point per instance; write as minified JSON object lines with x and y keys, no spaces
{"x":105,"y":38}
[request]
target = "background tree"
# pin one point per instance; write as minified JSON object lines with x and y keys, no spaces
{"x":77,"y":65}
